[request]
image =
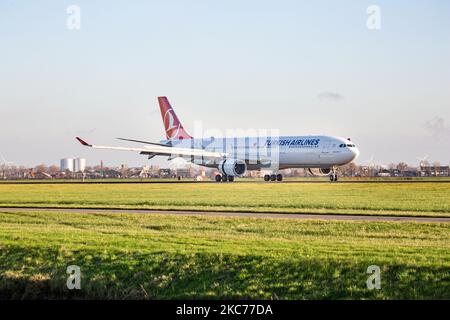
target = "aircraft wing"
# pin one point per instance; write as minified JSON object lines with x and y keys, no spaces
{"x":162,"y":150}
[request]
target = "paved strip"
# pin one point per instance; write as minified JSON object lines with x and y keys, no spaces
{"x":306,"y":216}
{"x":188,"y":181}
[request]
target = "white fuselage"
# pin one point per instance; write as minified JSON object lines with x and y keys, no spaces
{"x":284,"y":152}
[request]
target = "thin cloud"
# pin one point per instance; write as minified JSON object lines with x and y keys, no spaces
{"x":330,"y":96}
{"x":437,"y":128}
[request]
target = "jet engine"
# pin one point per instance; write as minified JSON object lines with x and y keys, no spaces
{"x":319,"y":171}
{"x":232,"y":167}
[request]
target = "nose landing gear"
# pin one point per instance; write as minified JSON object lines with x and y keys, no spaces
{"x":333,"y":175}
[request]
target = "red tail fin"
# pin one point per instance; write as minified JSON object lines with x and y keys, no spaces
{"x":172,"y":125}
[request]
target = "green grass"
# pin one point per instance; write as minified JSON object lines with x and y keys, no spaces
{"x":418,"y":199}
{"x":244,"y":179}
{"x":138,"y":256}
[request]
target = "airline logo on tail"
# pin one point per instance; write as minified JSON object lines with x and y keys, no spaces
{"x":174,"y":128}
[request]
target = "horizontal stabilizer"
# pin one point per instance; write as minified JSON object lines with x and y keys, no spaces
{"x":84,"y":143}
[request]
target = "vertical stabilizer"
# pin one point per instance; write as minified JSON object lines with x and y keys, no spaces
{"x":172,"y":125}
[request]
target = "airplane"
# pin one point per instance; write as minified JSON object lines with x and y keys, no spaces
{"x":234,"y":156}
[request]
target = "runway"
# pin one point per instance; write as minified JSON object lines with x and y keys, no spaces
{"x":306,"y":216}
{"x":245,"y":180}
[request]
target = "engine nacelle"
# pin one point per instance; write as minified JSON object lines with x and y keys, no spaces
{"x":319,"y":171}
{"x":232,"y":167}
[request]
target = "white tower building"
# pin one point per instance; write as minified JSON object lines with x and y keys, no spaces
{"x":67,"y":164}
{"x":80,"y":165}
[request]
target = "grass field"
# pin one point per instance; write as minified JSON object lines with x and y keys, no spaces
{"x":134,"y":256}
{"x":418,"y":199}
{"x":244,"y":179}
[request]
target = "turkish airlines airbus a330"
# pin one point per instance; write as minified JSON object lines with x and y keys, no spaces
{"x":233,"y":156}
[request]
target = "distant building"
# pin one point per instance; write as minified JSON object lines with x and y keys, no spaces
{"x":73,"y":165}
{"x":112,"y":174}
{"x":434,"y":171}
{"x":80,"y":165}
{"x":384,"y":173}
{"x":67,"y":164}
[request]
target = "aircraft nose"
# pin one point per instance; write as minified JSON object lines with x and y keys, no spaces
{"x":355,"y":153}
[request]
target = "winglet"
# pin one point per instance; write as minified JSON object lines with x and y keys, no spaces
{"x":84,"y":143}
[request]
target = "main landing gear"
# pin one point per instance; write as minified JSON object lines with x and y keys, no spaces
{"x":273,"y":177}
{"x":224,"y":178}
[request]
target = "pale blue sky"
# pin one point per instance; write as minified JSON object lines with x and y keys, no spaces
{"x":231,"y":64}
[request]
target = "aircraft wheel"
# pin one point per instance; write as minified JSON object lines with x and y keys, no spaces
{"x":331,"y":178}
{"x":224,"y":178}
{"x":279,"y":177}
{"x":335,"y":177}
{"x":273,"y":177}
{"x":218,"y":178}
{"x":266,"y":177}
{"x":230,"y":178}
